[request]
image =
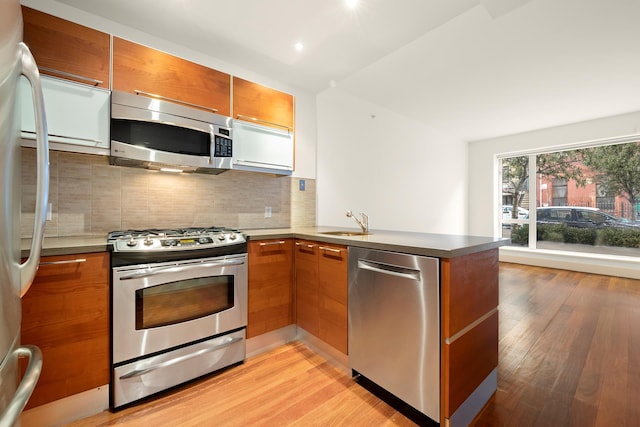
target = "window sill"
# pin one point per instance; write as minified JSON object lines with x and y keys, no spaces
{"x":610,"y":265}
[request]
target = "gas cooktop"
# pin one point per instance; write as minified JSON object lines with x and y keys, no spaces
{"x":174,"y":239}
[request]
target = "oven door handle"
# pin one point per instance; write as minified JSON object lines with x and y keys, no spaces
{"x":166,"y":363}
{"x":163,"y":270}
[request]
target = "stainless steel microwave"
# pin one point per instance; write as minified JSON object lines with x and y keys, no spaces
{"x":152,"y":132}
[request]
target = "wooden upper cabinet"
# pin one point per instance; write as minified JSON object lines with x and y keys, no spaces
{"x":68,"y":48}
{"x":140,"y":68}
{"x":259,"y":104}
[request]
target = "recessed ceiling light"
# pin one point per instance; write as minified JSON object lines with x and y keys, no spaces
{"x":351,"y":4}
{"x":299,"y":46}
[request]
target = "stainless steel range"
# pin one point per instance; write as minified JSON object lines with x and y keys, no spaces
{"x":179,"y":307}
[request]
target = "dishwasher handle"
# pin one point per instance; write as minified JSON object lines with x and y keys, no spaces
{"x":390,"y":269}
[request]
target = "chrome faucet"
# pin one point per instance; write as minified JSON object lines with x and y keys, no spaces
{"x":364,"y":224}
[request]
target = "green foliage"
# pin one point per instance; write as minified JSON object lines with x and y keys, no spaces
{"x":582,"y":236}
{"x":616,"y":169}
{"x":520,"y":234}
{"x":561,"y":233}
{"x":564,"y":164}
{"x":623,"y":237}
{"x":550,"y":232}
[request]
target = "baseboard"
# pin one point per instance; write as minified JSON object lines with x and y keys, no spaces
{"x":68,"y":409}
{"x":472,"y":406}
{"x":270,"y":340}
{"x":335,"y":357}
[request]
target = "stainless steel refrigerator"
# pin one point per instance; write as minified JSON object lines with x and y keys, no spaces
{"x":15,"y":276}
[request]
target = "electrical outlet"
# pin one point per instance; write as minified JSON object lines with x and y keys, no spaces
{"x":267,"y":212}
{"x":302,"y":185}
{"x":49,"y":211}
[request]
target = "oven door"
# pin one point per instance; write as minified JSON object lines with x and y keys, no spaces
{"x":160,"y":306}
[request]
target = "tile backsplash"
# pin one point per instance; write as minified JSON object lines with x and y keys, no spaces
{"x":91,"y":197}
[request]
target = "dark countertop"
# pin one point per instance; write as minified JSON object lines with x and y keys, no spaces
{"x":67,"y":245}
{"x":426,"y":244}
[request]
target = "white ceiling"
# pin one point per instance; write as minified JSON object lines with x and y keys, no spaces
{"x":472,"y":68}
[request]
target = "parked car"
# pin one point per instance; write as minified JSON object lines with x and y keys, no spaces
{"x":581,"y":217}
{"x":507,"y":211}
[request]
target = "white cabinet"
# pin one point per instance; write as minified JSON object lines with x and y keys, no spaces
{"x":77,"y":116}
{"x":260,"y":148}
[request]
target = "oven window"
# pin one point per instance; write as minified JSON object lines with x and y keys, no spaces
{"x":184,"y":300}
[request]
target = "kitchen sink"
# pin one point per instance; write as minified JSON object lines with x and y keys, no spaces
{"x":345,"y":233}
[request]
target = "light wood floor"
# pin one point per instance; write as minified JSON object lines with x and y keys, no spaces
{"x":290,"y":386}
{"x":569,"y":356}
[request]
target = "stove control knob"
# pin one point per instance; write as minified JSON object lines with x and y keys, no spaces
{"x":221,"y":236}
{"x":232,"y":236}
{"x":203,"y":240}
{"x":171,"y":242}
{"x":148,"y":241}
{"x":131,"y":242}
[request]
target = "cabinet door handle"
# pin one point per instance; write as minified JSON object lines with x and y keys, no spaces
{"x":29,"y":69}
{"x":94,"y":141}
{"x":306,"y":245}
{"x":279,"y":242}
{"x":257,"y":120}
{"x":242,"y":162}
{"x":326,"y":248}
{"x":175,"y":101}
{"x":94,"y":82}
{"x":27,"y":385}
{"x":68,"y":261}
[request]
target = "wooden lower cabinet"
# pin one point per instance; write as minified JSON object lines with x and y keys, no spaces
{"x":469,"y":326}
{"x":321,"y":291}
{"x":333,"y":310}
{"x":66,"y":314}
{"x":270,"y":286}
{"x":306,"y":279}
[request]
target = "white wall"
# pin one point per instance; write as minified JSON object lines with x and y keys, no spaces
{"x":484,"y":196}
{"x":403,"y":174}
{"x":305,"y":101}
{"x":483,"y":192}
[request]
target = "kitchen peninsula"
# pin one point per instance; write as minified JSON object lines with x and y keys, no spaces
{"x":468,"y":273}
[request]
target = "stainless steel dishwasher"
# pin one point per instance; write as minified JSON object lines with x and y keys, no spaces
{"x":394,"y":331}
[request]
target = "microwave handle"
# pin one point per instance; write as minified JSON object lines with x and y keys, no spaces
{"x":163,"y":270}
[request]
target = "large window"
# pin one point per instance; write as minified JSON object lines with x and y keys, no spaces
{"x":584,"y":199}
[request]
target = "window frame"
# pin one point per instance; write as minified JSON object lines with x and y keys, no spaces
{"x":533,"y":189}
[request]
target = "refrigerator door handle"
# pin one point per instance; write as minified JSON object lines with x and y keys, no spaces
{"x":29,"y":268}
{"x":28,"y":383}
